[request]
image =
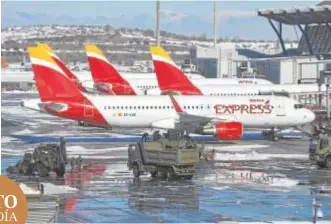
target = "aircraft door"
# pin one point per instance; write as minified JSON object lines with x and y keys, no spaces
{"x":88,"y":109}
{"x":280,"y":108}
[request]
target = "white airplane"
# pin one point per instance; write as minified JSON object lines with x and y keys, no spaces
{"x":223,"y":117}
{"x":105,"y":74}
{"x":171,"y":79}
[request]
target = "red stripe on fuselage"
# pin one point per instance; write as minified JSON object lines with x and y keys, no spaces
{"x":171,"y":78}
{"x":176,"y":105}
{"x":102,"y":72}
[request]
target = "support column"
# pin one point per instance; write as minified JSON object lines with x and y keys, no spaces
{"x":214,"y":9}
{"x":157,"y":23}
{"x":305,"y":35}
{"x":328,"y":97}
{"x":279,"y":35}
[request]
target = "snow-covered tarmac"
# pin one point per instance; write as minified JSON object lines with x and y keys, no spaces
{"x":256,"y":181}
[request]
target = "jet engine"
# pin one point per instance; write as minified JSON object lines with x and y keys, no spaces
{"x":231,"y":130}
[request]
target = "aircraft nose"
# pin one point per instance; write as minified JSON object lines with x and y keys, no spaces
{"x":309,"y":116}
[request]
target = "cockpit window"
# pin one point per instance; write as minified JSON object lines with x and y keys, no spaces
{"x":298,"y":106}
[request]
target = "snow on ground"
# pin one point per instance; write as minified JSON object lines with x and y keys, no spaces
{"x":6,"y":139}
{"x":19,"y":91}
{"x":51,"y":189}
{"x":28,"y":191}
{"x":74,"y":151}
{"x":247,"y":177}
{"x":234,"y":148}
{"x":23,"y":132}
{"x":255,"y":156}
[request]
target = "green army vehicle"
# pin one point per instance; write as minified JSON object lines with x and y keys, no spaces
{"x":169,"y":156}
{"x":320,"y":150}
{"x":44,"y":159}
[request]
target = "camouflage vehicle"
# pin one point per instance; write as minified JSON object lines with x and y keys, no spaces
{"x":320,"y":150}
{"x":169,"y":156}
{"x":45,"y":158}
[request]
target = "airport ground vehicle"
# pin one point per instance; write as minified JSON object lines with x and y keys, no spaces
{"x":169,"y":156}
{"x":45,"y":158}
{"x":320,"y":150}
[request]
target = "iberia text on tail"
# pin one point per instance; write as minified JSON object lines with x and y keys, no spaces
{"x":170,"y":78}
{"x":58,"y":94}
{"x":105,"y":76}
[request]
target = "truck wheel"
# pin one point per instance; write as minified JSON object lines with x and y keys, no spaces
{"x":321,"y":164}
{"x":135,"y":170}
{"x":328,"y":161}
{"x":60,"y":171}
{"x":153,"y":174}
{"x":161,"y":174}
{"x":188,"y":177}
{"x":26,"y":168}
{"x":171,"y":174}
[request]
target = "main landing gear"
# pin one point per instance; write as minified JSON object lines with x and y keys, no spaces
{"x":270,"y":135}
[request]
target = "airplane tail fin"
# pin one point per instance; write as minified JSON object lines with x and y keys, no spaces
{"x":58,"y":61}
{"x":52,"y":83}
{"x":170,"y":78}
{"x":105,"y":75}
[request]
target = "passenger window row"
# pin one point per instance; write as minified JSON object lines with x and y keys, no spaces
{"x":153,"y":107}
{"x":298,"y":106}
{"x":146,"y":87}
{"x":233,"y":94}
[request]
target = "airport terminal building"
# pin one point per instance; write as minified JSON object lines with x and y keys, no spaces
{"x":304,"y":62}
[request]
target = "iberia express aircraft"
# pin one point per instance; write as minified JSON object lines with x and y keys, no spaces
{"x":172,"y":80}
{"x":106,"y":75}
{"x":225,"y":117}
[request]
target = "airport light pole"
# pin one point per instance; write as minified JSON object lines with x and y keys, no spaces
{"x":327,"y":85}
{"x":214,"y":9}
{"x":157,"y":22}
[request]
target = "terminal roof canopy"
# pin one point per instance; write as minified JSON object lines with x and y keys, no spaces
{"x":303,"y":15}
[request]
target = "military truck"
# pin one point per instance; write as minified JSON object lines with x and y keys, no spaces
{"x":45,"y":158}
{"x":320,"y":150}
{"x":167,"y":156}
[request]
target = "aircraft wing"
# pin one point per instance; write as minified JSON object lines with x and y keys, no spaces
{"x":191,"y":121}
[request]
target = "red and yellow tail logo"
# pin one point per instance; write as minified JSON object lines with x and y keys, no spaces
{"x":170,"y":78}
{"x":105,"y":73}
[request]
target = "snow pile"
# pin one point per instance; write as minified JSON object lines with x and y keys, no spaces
{"x":23,"y":132}
{"x":255,"y":156}
{"x":235,"y":148}
{"x":79,"y":150}
{"x":249,"y":177}
{"x":27,"y":190}
{"x":51,"y":189}
{"x":252,"y":156}
{"x":6,"y":139}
